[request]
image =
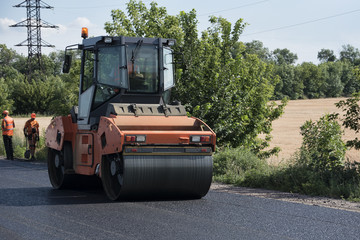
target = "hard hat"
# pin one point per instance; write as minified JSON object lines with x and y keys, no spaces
{"x":33,"y":115}
{"x":5,"y":112}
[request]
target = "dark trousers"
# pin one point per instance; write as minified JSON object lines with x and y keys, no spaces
{"x":8,"y":147}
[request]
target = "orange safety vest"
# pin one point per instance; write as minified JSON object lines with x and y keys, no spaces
{"x":7,"y":126}
{"x":30,"y":124}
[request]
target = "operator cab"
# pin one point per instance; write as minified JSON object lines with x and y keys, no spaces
{"x":122,"y":70}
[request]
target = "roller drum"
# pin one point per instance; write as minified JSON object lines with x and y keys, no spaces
{"x":175,"y":175}
{"x":162,"y":175}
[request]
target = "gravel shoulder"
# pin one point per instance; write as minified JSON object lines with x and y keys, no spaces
{"x":289,"y":197}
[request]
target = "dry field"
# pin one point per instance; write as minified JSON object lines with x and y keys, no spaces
{"x":286,"y":129}
{"x":20,"y":123}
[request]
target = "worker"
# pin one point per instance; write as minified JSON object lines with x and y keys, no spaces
{"x":134,"y":70}
{"x":7,"y":127}
{"x":31,"y":132}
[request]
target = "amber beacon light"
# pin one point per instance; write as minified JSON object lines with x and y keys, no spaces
{"x":84,"y":32}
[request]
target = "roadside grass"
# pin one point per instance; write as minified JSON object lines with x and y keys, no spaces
{"x":242,"y":168}
{"x":19,"y":146}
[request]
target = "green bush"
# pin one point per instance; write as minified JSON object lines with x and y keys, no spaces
{"x":322,"y":147}
{"x":241,"y":167}
{"x":234,"y":165}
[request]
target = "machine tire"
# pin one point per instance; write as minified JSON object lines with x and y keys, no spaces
{"x":68,"y":155}
{"x":56,"y":168}
{"x":110,"y":181}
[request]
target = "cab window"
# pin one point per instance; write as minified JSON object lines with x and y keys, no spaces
{"x":143,"y":68}
{"x":112,"y":67}
{"x":88,"y":73}
{"x":168,"y":68}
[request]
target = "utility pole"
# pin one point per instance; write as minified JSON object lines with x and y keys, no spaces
{"x":34,"y":25}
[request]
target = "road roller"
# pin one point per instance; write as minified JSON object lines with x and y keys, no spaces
{"x":125,"y":131}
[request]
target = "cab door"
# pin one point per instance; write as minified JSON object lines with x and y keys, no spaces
{"x":87,"y":88}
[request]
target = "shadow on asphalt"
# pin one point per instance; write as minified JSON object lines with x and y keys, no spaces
{"x":48,"y":196}
{"x":86,"y":191}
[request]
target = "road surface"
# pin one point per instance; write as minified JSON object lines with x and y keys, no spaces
{"x":31,"y":209}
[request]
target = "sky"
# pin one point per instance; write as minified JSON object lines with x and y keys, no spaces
{"x":302,"y":26}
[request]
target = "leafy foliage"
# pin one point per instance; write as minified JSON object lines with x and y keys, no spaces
{"x":284,"y":56}
{"x":350,"y":53}
{"x":351,"y":117}
{"x":143,"y":22}
{"x":241,"y":167}
{"x":326,"y":55}
{"x":307,"y":80}
{"x":5,"y":101}
{"x":322,"y":148}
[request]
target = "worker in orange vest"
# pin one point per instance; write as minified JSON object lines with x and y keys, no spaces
{"x":31,"y":132}
{"x":7,"y":127}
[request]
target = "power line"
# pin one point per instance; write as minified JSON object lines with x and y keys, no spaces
{"x":99,"y":6}
{"x":303,"y":23}
{"x":229,"y":9}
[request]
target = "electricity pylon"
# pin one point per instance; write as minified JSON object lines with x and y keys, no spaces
{"x":34,"y":25}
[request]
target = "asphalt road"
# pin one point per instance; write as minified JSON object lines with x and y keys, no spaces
{"x":31,"y":209}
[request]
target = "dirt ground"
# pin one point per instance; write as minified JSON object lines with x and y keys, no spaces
{"x":289,"y":197}
{"x":286,"y":129}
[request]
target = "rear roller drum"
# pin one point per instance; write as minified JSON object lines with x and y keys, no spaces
{"x":56,"y":168}
{"x":111,"y":176}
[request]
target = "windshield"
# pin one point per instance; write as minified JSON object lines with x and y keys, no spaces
{"x":134,"y":67}
{"x":111,"y":66}
{"x":143,"y":70}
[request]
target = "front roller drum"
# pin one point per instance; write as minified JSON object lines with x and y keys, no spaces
{"x":156,"y":176}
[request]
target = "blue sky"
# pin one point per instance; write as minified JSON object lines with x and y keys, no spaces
{"x":304,"y":27}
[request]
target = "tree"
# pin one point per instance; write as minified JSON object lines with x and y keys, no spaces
{"x":5,"y":101}
{"x":144,"y":22}
{"x":228,"y":91}
{"x":310,"y":76}
{"x":257,"y":47}
{"x":326,"y":55}
{"x":349,"y":79}
{"x":289,"y":85}
{"x":351,"y":54}
{"x":33,"y":96}
{"x":284,"y":56}
{"x":331,"y":74}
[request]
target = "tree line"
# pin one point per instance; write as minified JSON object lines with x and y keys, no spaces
{"x":227,"y":83}
{"x":333,"y":77}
